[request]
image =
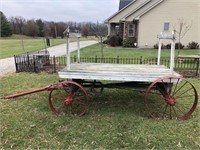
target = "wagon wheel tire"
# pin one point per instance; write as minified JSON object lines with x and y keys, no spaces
{"x":68,"y":96}
{"x":171,"y":98}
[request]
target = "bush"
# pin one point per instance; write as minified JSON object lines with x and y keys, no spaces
{"x":193,"y":45}
{"x":168,"y":46}
{"x":130,"y":42}
{"x":177,"y":46}
{"x":156,"y":46}
{"x":105,"y":42}
{"x":115,"y":41}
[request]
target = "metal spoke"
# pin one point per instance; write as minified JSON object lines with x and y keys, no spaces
{"x":176,"y":85}
{"x":165,"y":88}
{"x":175,"y":112}
{"x":185,"y":92}
{"x":161,"y":91}
{"x":179,"y":88}
{"x":179,"y":109}
{"x":165,"y":109}
{"x":184,"y":96}
{"x":170,"y":112}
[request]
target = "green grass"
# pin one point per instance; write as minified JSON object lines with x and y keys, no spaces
{"x":13,"y":45}
{"x":116,"y":120}
{"x":94,"y":50}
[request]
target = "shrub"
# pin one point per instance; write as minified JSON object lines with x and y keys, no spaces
{"x":115,"y":41}
{"x":130,"y":42}
{"x":105,"y":42}
{"x":193,"y":45}
{"x":168,"y":46}
{"x":156,"y":46}
{"x":177,"y":46}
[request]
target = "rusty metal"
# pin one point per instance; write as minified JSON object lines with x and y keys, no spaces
{"x":46,"y":88}
{"x":177,"y":100}
{"x":71,"y":95}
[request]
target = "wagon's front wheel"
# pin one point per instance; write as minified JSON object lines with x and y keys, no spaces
{"x":171,"y":97}
{"x":69,"y":96}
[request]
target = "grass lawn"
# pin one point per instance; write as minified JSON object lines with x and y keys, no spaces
{"x":116,"y":120}
{"x":94,"y":50}
{"x":13,"y":45}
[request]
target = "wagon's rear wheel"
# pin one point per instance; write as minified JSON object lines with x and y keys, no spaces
{"x":68,"y":96}
{"x":172,"y":98}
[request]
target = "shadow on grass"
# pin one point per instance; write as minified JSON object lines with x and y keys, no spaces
{"x":118,"y":102}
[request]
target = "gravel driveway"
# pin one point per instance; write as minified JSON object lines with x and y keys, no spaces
{"x":7,"y":65}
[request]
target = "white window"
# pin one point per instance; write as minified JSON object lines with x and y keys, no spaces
{"x":131,"y":30}
{"x":166,"y":26}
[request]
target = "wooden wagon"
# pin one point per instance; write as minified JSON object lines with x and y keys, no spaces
{"x":167,"y":95}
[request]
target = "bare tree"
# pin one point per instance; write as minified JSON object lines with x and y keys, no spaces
{"x":182,"y":27}
{"x":32,"y":28}
{"x":100,"y":31}
{"x":85,"y":30}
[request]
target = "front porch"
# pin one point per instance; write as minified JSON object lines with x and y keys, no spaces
{"x":125,"y":30}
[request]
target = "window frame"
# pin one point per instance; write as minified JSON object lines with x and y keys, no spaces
{"x":133,"y":29}
{"x":166,"y":26}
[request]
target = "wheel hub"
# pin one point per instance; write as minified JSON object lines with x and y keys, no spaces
{"x":171,"y":101}
{"x":69,"y":99}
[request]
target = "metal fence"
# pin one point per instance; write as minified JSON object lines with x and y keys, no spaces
{"x":55,"y":62}
{"x":32,"y":62}
{"x":179,"y":64}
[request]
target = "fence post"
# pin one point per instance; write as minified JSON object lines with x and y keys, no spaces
{"x":140,"y":59}
{"x":95,"y":59}
{"x":28,"y":59}
{"x":117,"y":59}
{"x":34,"y":65}
{"x":197,"y":70}
{"x":54,"y":64}
{"x":16,"y":67}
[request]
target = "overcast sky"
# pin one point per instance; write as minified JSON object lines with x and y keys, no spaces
{"x":60,"y":10}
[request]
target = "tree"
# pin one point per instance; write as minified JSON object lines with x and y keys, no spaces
{"x":5,"y":26}
{"x":181,"y":29}
{"x":18,"y":24}
{"x":85,"y":30}
{"x":100,"y":31}
{"x":31,"y":28}
{"x":40,"y":25}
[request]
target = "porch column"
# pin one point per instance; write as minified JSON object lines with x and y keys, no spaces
{"x":109,"y":26}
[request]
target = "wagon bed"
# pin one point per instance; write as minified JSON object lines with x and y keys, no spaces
{"x":115,"y":72}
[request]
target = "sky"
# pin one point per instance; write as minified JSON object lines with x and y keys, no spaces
{"x":60,"y":10}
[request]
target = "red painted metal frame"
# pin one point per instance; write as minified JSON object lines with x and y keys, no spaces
{"x":46,"y":88}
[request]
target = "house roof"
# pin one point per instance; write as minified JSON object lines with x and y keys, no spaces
{"x":124,"y":3}
{"x":140,"y":7}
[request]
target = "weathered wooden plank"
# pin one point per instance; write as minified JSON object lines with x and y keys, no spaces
{"x":115,"y":72}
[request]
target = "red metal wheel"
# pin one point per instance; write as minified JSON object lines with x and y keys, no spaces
{"x":171,"y":97}
{"x":68,"y":94}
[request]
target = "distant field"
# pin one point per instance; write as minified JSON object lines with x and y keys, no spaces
{"x":13,"y":45}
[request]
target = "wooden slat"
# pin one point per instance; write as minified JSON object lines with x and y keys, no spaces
{"x":116,"y":72}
